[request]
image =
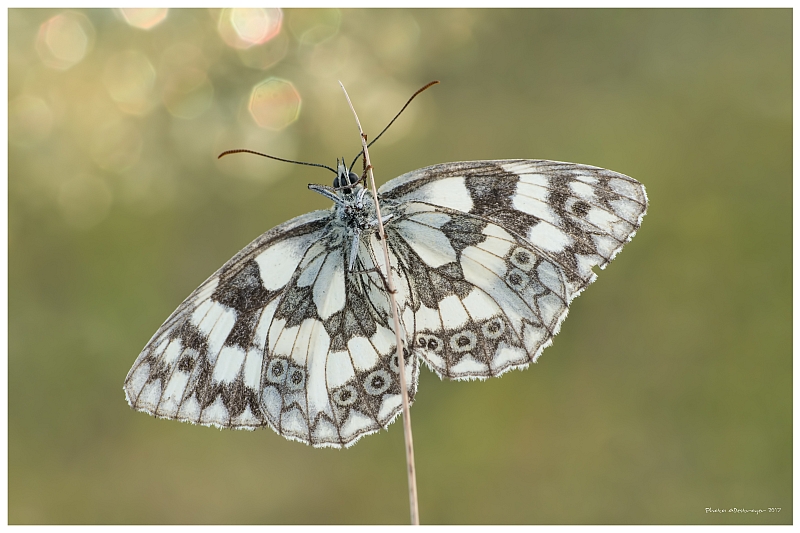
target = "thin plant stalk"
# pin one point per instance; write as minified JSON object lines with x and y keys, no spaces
{"x":412,"y":475}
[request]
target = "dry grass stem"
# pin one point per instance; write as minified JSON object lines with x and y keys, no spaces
{"x":412,"y":476}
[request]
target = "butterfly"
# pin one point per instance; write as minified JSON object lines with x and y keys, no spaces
{"x":295,"y":332}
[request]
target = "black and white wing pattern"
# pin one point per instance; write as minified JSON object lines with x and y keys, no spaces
{"x":495,"y":251}
{"x":281,"y":336}
{"x":295,"y":332}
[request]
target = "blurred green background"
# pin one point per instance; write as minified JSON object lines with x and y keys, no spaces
{"x":669,"y":388}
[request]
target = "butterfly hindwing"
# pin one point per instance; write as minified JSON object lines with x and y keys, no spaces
{"x":332,"y":328}
{"x":484,"y":301}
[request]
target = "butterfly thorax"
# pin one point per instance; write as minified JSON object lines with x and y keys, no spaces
{"x":357,"y":211}
{"x":354,"y":219}
{"x":355,"y":215}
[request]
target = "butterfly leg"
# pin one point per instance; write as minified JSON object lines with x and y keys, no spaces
{"x":383,"y":219}
{"x":385,"y":282}
{"x":380,"y":274}
{"x":360,"y":200}
{"x":366,"y":169}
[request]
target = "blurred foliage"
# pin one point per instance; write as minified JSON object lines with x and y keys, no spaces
{"x":669,"y":388}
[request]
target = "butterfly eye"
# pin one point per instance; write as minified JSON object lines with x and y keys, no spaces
{"x":336,"y":182}
{"x":353,"y":178}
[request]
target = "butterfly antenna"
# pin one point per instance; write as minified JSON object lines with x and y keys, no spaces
{"x":242,"y":150}
{"x":434,"y":82}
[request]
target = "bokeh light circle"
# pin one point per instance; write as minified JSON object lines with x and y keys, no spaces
{"x":242,"y":28}
{"x":64,"y":40}
{"x":144,"y":18}
{"x":274,"y":103}
{"x":129,"y":78}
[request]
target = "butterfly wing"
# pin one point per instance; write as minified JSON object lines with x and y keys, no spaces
{"x":282,"y":335}
{"x":334,"y":326}
{"x":496,"y":251}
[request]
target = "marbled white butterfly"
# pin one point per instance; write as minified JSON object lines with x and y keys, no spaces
{"x":295,"y":331}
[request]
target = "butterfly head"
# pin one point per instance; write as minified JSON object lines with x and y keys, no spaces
{"x":344,"y":178}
